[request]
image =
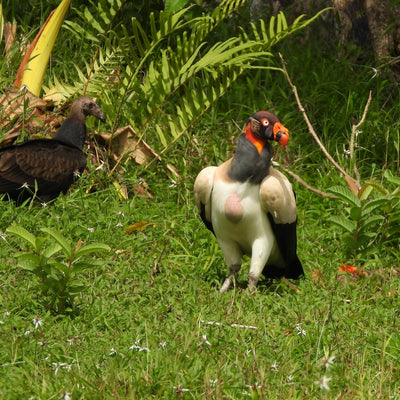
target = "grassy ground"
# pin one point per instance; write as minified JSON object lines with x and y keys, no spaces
{"x":151,"y":322}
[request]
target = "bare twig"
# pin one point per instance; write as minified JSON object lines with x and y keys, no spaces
{"x":306,"y":185}
{"x":349,"y":179}
{"x":231,"y":325}
{"x":355,"y":132}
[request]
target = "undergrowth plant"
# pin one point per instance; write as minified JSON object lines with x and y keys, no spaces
{"x":173,"y":72}
{"x":371,"y":218}
{"x":57,"y":263}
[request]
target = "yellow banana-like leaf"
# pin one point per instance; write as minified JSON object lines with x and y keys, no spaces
{"x":33,"y":67}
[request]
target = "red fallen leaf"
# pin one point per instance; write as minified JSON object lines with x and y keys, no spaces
{"x":351,"y":270}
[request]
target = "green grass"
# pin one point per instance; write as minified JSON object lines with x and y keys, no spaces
{"x":138,"y":330}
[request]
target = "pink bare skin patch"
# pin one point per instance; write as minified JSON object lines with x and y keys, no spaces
{"x":233,"y":208}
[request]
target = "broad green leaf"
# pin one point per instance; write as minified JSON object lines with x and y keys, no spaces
{"x":370,"y":206}
{"x":365,"y":192}
{"x":347,"y":225}
{"x":378,"y":186}
{"x":370,"y":223}
{"x":82,"y":265}
{"x":65,"y":246}
{"x":355,"y":213}
{"x":59,"y":268}
{"x":23,"y":234}
{"x":29,"y":256}
{"x":91,"y":248}
{"x":39,"y":242}
{"x":345,"y":194}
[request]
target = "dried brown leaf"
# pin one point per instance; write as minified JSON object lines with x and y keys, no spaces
{"x":136,"y":227}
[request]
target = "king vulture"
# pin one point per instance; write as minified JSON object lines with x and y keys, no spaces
{"x":250,"y":206}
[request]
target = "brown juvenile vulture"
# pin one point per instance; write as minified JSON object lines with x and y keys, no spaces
{"x":251,"y":207}
{"x":44,"y":168}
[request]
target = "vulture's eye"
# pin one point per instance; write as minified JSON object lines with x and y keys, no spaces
{"x":265,"y":122}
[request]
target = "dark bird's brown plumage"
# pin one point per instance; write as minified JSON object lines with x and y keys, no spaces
{"x":44,"y":168}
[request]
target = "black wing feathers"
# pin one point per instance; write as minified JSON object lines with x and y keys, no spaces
{"x":286,"y":239}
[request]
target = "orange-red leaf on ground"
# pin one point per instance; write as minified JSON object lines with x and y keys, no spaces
{"x":351,"y":270}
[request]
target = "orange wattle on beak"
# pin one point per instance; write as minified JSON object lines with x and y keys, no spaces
{"x":281,"y":134}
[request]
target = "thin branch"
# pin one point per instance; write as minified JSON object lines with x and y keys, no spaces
{"x":355,"y":132}
{"x":311,"y":128}
{"x":306,"y":185}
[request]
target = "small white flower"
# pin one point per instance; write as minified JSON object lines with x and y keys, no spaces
{"x":163,"y":345}
{"x":255,"y":386}
{"x":57,"y":366}
{"x":289,"y":379}
{"x":323,"y":383}
{"x":77,"y":174}
{"x":100,"y":166}
{"x":68,"y":367}
{"x":25,"y":185}
{"x":66,"y":396}
{"x":213,"y":382}
{"x":205,"y":341}
{"x":70,"y":341}
{"x":91,"y":230}
{"x":346,"y":153}
{"x":375,"y":71}
{"x":44,"y":205}
{"x":119,"y":225}
{"x":113,"y":352}
{"x":37,"y":321}
{"x":173,"y":184}
{"x":180,"y":389}
{"x":274,"y":366}
{"x":300,"y":330}
{"x":121,"y":213}
{"x":138,"y":348}
{"x":248,"y":352}
{"x":327,"y":362}
{"x":6,"y":313}
{"x":3,"y":236}
{"x":27,"y":332}
{"x":43,"y":343}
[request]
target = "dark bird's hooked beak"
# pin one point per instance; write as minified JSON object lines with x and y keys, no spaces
{"x":98,"y":114}
{"x":281,"y":134}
